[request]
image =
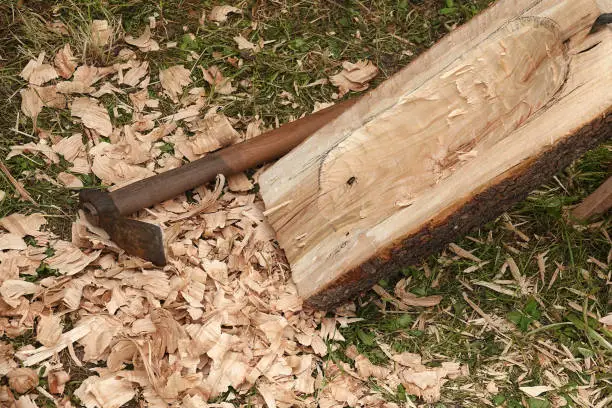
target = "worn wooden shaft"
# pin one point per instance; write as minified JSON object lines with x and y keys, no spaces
{"x":233,"y":159}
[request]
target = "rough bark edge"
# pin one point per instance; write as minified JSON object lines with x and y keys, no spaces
{"x":508,"y":189}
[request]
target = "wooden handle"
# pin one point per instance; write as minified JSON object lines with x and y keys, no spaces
{"x":233,"y":159}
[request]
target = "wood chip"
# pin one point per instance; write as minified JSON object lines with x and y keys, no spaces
{"x":22,"y":380}
{"x":23,"y":225}
{"x":463,"y":253}
{"x":69,"y":180}
{"x":244,"y":44}
{"x":354,"y":76}
{"x":215,"y":78}
{"x":144,"y":42}
{"x":173,"y":80}
{"x":65,"y":62}
{"x":220,"y":13}
{"x":110,"y":392}
{"x":93,"y":115}
{"x":239,"y":182}
{"x":37,"y":73}
{"x":49,"y":330}
{"x":100,"y":33}
{"x":536,"y":390}
{"x":57,"y":381}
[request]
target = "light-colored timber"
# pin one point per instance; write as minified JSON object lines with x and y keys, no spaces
{"x":449,"y":142}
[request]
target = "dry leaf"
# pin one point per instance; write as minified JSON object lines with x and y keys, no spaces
{"x":93,"y":115}
{"x":65,"y":62}
{"x":354,"y":76}
{"x":219,"y":13}
{"x":100,"y":33}
{"x":22,"y":380}
{"x":173,"y":80}
{"x":606,"y":320}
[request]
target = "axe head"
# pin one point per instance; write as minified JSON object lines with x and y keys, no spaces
{"x":137,"y":238}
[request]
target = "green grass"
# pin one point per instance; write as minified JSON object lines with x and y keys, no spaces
{"x":310,"y":40}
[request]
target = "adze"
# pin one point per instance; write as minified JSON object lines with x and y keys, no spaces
{"x":108,"y":210}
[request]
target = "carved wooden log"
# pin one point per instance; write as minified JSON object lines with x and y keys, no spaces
{"x":448,"y":143}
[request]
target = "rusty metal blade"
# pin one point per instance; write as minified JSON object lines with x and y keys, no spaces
{"x":138,"y":238}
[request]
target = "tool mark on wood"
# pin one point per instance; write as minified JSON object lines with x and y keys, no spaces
{"x":469,"y":106}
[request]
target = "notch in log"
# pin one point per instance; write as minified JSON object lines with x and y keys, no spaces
{"x":448,"y":143}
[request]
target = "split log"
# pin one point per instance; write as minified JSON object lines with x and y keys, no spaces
{"x":451,"y":141}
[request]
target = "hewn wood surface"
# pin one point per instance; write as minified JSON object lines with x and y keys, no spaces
{"x":449,"y":142}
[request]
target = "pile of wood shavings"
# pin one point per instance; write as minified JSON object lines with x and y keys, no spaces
{"x":221,"y":319}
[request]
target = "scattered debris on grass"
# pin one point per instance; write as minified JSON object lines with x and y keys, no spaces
{"x":509,"y":318}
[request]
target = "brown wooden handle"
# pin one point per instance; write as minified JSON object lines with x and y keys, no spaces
{"x":233,"y":159}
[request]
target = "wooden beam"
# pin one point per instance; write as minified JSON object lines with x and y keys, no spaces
{"x":448,"y":143}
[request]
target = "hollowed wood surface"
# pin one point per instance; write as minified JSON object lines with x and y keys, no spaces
{"x":481,"y":108}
